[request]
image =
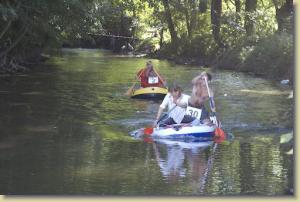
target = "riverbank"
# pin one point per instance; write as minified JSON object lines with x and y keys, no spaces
{"x":219,"y":63}
{"x":21,"y":63}
{"x":271,"y":58}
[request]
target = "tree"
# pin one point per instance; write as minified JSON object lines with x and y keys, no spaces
{"x":250,"y":7}
{"x":203,"y":6}
{"x":216,"y":11}
{"x":170,"y":22}
{"x":284,"y":15}
{"x":237,"y":4}
{"x":190,"y":11}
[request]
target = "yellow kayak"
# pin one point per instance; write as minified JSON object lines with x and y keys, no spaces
{"x":149,"y":93}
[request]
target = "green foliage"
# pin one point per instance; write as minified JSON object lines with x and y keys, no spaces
{"x":171,"y":28}
{"x":29,"y":26}
{"x":272,"y":56}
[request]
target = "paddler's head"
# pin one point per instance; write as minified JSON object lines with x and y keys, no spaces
{"x":149,"y":65}
{"x":207,"y":75}
{"x":175,"y":91}
{"x":199,"y":81}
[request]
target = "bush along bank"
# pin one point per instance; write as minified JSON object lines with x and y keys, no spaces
{"x":270,"y":57}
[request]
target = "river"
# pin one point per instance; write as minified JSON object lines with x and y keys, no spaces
{"x":65,"y":130}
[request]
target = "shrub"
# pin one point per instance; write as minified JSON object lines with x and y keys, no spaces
{"x":271,"y":56}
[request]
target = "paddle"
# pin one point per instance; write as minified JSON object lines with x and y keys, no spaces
{"x":158,"y":76}
{"x":218,"y":132}
{"x":149,"y":130}
{"x":210,"y":161}
{"x":129,"y":91}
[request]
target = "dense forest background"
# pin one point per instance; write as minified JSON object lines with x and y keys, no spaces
{"x":245,"y":35}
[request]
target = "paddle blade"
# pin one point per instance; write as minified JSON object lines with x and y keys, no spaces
{"x":129,"y":91}
{"x":220,"y":133}
{"x":148,"y":131}
{"x":219,"y":136}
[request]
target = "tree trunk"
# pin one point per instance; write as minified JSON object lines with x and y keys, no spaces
{"x":216,"y":11}
{"x":193,"y":16}
{"x":161,"y":38}
{"x":250,"y":7}
{"x":16,"y":42}
{"x":284,"y":16}
{"x":174,"y":38}
{"x":237,"y":4}
{"x":190,"y":12}
{"x":5,"y":28}
{"x":188,"y":23}
{"x":8,"y":24}
{"x":203,"y":6}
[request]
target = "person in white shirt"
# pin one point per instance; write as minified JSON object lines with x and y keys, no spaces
{"x":175,"y":98}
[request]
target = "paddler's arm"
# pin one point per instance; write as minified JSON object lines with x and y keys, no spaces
{"x":160,"y":111}
{"x":162,"y":108}
{"x":139,"y":74}
{"x":162,"y":80}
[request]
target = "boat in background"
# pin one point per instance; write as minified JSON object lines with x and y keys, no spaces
{"x":156,"y":93}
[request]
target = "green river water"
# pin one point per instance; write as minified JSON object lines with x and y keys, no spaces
{"x":65,"y":129}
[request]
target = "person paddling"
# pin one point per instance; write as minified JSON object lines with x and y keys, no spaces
{"x":149,"y":77}
{"x":200,"y":89}
{"x":176,"y":102}
{"x":196,"y":113}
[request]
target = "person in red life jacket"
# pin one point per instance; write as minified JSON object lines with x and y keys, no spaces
{"x":149,"y":77}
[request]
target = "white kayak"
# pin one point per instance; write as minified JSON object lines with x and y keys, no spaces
{"x":179,"y":131}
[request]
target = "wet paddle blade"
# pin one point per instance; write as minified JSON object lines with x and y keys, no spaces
{"x":220,"y":136}
{"x":148,"y":131}
{"x":220,"y":133}
{"x":129,"y":91}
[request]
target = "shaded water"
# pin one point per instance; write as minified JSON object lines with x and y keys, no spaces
{"x":65,"y":130}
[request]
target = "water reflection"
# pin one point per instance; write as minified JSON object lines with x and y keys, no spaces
{"x":179,"y":159}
